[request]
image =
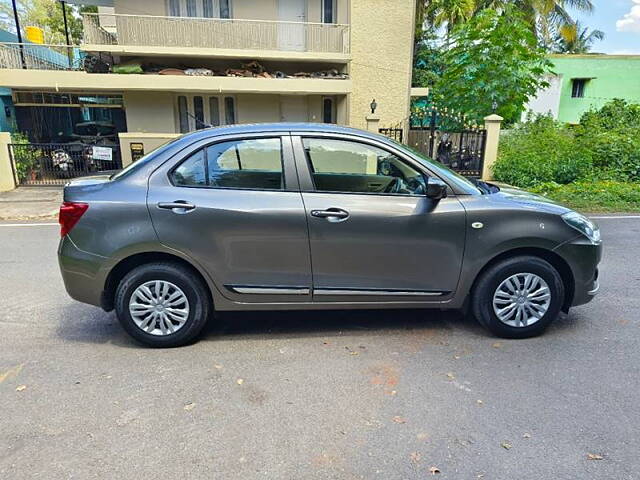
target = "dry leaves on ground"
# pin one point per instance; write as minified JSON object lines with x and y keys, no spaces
{"x":189,"y":406}
{"x":399,"y":419}
{"x":434,"y":470}
{"x":594,"y":456}
{"x":506,"y":445}
{"x":20,"y":388}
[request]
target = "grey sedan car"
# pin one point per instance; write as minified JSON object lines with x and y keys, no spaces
{"x":303,"y":216}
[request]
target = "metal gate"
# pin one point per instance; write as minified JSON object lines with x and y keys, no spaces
{"x":447,"y":138}
{"x":56,"y":163}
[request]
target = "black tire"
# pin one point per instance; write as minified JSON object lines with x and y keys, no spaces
{"x":486,"y":285}
{"x":193,"y":288}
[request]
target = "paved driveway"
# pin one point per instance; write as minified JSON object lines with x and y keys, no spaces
{"x":334,"y":395}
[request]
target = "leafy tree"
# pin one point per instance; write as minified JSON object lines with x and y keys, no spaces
{"x":428,"y":64}
{"x":46,"y":14}
{"x":493,"y":61}
{"x":575,"y":38}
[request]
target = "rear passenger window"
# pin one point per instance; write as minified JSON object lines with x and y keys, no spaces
{"x":191,"y":172}
{"x":248,"y":164}
{"x":352,"y":167}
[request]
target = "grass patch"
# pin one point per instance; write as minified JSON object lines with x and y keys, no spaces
{"x":594,"y":196}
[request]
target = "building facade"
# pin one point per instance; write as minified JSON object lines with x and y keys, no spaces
{"x":187,"y":64}
{"x":583,"y":82}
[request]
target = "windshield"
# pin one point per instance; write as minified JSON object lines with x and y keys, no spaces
{"x":462,"y":182}
{"x":138,"y":164}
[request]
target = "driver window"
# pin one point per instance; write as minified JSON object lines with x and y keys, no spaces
{"x":346,"y":166}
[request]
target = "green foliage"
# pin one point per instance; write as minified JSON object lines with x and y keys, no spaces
{"x":595,"y":165}
{"x":576,"y":38}
{"x":46,"y":14}
{"x":538,"y":151}
{"x":428,"y":64}
{"x":26,"y":158}
{"x":493,"y":59}
{"x":594,"y":195}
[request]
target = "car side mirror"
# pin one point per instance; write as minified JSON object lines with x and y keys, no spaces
{"x":436,"y":189}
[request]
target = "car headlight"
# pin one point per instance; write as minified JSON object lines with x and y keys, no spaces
{"x":583,"y":225}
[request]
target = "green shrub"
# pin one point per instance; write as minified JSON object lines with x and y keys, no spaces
{"x":541,"y":150}
{"x":604,"y":146}
{"x":594,"y":195}
{"x":26,"y":157}
{"x":612,"y":136}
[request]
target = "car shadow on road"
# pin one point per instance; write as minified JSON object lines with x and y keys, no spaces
{"x":86,"y":324}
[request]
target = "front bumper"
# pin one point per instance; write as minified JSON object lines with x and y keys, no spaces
{"x":583,"y":258}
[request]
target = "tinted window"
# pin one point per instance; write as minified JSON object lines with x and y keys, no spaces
{"x":229,"y":110}
{"x":198,"y":109}
{"x":182,"y":114}
{"x":345,"y":166}
{"x":252,"y":164}
{"x":191,"y":172}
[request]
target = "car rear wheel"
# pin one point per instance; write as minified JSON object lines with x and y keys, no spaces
{"x":518,"y":297}
{"x":162,"y":304}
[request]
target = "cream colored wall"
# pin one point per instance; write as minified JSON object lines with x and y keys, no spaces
{"x":150,"y":141}
{"x":150,"y":112}
{"x":7,"y":181}
{"x":250,"y":9}
{"x":140,"y":7}
{"x":258,"y":108}
{"x":245,"y":9}
{"x":382,"y":51}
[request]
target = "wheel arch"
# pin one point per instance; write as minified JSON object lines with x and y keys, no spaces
{"x":125,"y":265}
{"x":553,"y":258}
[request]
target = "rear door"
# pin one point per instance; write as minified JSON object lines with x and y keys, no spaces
{"x":374,"y":234}
{"x":233,"y":205}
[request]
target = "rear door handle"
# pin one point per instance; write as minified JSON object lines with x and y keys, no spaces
{"x":331,"y":214}
{"x":179,"y":206}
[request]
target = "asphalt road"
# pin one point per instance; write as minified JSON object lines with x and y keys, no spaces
{"x":334,"y":395}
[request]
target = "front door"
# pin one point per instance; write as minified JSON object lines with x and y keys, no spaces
{"x":291,"y":35}
{"x":233,"y":207}
{"x":294,"y":108}
{"x":374,"y":235}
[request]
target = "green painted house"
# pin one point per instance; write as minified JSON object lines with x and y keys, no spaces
{"x":582,"y":82}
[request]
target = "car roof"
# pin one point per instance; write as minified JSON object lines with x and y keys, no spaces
{"x":277,"y":127}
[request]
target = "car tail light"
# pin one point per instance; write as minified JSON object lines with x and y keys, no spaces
{"x":70,"y":213}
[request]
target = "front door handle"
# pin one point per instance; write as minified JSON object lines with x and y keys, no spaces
{"x":179,"y":206}
{"x":331,"y":214}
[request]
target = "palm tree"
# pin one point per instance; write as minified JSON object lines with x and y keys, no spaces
{"x":448,"y":13}
{"x":576,"y":38}
{"x":545,"y":16}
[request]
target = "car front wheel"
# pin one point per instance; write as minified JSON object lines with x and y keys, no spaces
{"x":518,"y":297}
{"x":162,"y":304}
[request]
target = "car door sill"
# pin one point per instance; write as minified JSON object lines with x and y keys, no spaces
{"x":264,"y":290}
{"x":362,"y":292}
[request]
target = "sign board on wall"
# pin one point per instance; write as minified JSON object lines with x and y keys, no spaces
{"x":137,"y":151}
{"x":102,"y":153}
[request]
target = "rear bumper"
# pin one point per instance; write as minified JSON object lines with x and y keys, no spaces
{"x":583,"y":258}
{"x":81,"y":272}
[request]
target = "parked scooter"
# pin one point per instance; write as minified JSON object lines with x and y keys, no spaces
{"x":62,"y":162}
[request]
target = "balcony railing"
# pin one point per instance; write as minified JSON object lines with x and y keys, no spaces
{"x":155,"y":31}
{"x":34,"y":56}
